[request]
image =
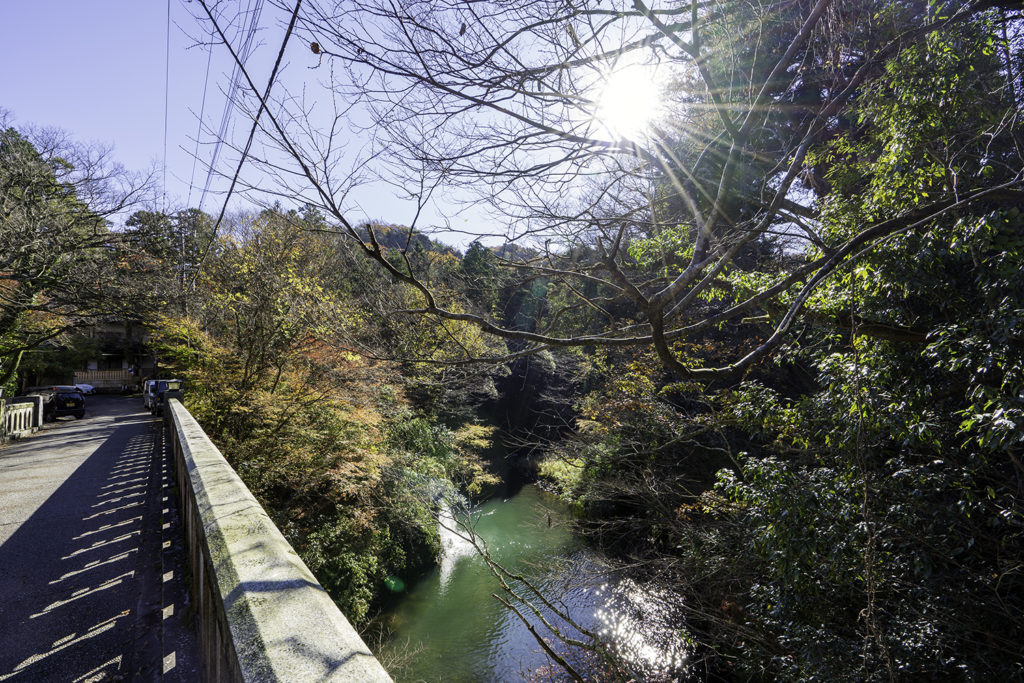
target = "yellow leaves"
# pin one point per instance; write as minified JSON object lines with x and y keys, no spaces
{"x":566,"y":472}
{"x":475,"y":436}
{"x":638,"y":380}
{"x":709,"y":505}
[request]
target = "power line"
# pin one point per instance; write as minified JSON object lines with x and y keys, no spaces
{"x":256,"y":119}
{"x":245,"y":50}
{"x":167,"y":80}
{"x":229,"y":93}
{"x":202,"y":115}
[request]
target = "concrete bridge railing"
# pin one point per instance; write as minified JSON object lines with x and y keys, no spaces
{"x":17,"y":419}
{"x":263,"y":616}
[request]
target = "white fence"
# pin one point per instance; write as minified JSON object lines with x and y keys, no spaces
{"x":106,"y":379}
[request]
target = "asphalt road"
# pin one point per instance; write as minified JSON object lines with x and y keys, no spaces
{"x":91,"y":587}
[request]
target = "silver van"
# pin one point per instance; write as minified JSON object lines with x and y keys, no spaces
{"x":156,"y":392}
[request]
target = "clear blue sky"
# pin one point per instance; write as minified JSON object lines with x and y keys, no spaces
{"x":95,"y":68}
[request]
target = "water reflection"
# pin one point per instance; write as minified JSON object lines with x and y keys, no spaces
{"x":639,"y":622}
{"x":459,"y":631}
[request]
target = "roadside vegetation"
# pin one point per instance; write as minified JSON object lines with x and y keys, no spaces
{"x":329,"y":442}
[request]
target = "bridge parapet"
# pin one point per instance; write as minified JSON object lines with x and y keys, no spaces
{"x":20,"y":417}
{"x":263,"y":615}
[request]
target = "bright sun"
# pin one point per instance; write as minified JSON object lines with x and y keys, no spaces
{"x":629,"y":101}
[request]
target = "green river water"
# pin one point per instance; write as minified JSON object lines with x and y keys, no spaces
{"x":449,"y":627}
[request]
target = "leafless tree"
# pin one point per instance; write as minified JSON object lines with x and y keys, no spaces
{"x":60,"y":265}
{"x":500,"y":103}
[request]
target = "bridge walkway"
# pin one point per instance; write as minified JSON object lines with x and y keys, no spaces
{"x":92,"y":586}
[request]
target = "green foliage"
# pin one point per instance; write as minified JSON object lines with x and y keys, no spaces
{"x":75,"y":353}
{"x":865,"y":520}
{"x":325,"y":440}
{"x":641,"y":452}
{"x":311,"y":451}
{"x":481,"y":280}
{"x":50,"y":248}
{"x":664,"y":251}
{"x":439,"y":453}
{"x":61,"y":267}
{"x":171,"y":248}
{"x":882,"y":510}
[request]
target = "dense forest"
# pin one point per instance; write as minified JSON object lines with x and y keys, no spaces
{"x":772,"y":353}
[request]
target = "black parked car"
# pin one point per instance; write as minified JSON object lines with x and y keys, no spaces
{"x":60,"y":400}
{"x":68,"y":401}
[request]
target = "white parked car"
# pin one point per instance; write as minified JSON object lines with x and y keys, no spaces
{"x":86,"y":389}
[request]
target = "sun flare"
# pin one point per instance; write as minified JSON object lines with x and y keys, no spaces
{"x":629,"y":102}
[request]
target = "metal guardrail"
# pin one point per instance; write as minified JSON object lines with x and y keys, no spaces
{"x":263,"y":615}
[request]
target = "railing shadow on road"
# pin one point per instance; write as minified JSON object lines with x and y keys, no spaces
{"x":73,"y":573}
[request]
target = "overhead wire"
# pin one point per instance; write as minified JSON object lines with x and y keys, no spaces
{"x":202,"y":116}
{"x":255,"y":120}
{"x":252,"y":13}
{"x":167,"y":80}
{"x":229,"y":94}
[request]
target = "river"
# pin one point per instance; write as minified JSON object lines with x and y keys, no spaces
{"x":449,"y":627}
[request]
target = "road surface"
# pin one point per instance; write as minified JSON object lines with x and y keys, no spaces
{"x":91,"y":584}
